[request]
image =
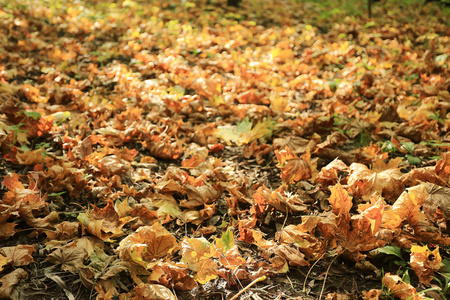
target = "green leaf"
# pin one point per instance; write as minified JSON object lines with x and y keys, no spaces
{"x":408,"y":146}
{"x":446,"y":263}
{"x":56,"y":194}
{"x":413,"y":160}
{"x":245,"y":125}
{"x":227,"y":240}
{"x":32,"y":114}
{"x":406,"y":277}
{"x":391,"y":250}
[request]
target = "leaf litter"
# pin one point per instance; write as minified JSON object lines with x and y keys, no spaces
{"x":188,"y":150}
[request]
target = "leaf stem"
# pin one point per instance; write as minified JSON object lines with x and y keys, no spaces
{"x":248,"y":286}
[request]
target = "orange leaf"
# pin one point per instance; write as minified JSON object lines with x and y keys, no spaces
{"x":147,"y":244}
{"x":399,"y":288}
{"x":340,"y":201}
{"x":197,"y":254}
{"x":104,"y":223}
{"x":292,"y":167}
{"x":424,"y":262}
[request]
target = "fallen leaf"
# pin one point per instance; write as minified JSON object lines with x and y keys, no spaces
{"x":104,"y":223}
{"x":9,"y":283}
{"x":197,"y":253}
{"x":424,"y":262}
{"x":70,"y":257}
{"x":20,"y":255}
{"x":147,"y":244}
{"x":399,"y":288}
{"x":147,"y":291}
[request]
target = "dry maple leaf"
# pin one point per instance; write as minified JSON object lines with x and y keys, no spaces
{"x":18,"y":195}
{"x":333,"y":140}
{"x":406,"y":207}
{"x":103,"y":223}
{"x":291,"y":254}
{"x":424,"y":262}
{"x":194,"y":155}
{"x":9,"y":282}
{"x":292,"y":167}
{"x":399,"y":288}
{"x":146,"y":291}
{"x":303,"y":238}
{"x":48,"y":222}
{"x":112,"y":164}
{"x":32,"y":157}
{"x":443,"y":167}
{"x":173,"y":275}
{"x":228,"y":252}
{"x":373,"y":294}
{"x":366,"y":183}
{"x":340,"y":201}
{"x":205,"y":193}
{"x":71,"y":257}
{"x":19,"y":255}
{"x":147,"y":244}
{"x":197,"y":253}
{"x":264,"y":196}
{"x":6,"y":229}
{"x":166,"y":149}
{"x":437,"y":198}
{"x":328,"y":175}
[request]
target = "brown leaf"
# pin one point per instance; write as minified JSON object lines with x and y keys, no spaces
{"x":6,"y":229}
{"x":103,"y":223}
{"x":399,"y":288}
{"x":110,"y":165}
{"x":333,"y":140}
{"x":205,"y":193}
{"x":298,"y":144}
{"x":419,"y":175}
{"x":292,"y":167}
{"x":64,"y":231}
{"x":303,"y":238}
{"x":443,"y":167}
{"x":145,"y":291}
{"x":366,"y":183}
{"x":19,"y":255}
{"x":438,"y":198}
{"x":197,"y":253}
{"x":166,"y":150}
{"x":148,"y":243}
{"x":194,"y":155}
{"x":263,"y":196}
{"x":424,"y":262}
{"x":9,"y":282}
{"x":70,"y":257}
{"x":328,"y":175}
{"x":46,"y":223}
{"x":373,"y":294}
{"x":340,"y":201}
{"x":290,"y":253}
{"x":170,"y":274}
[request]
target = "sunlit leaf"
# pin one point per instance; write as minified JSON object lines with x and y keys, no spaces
{"x":147,"y":244}
{"x":198,"y":254}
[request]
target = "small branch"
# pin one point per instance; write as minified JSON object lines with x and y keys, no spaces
{"x":326,"y":275}
{"x":248,"y":286}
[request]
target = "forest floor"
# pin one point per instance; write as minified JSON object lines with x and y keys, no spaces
{"x":190,"y":150}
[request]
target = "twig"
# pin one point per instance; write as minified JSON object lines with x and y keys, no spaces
{"x":248,"y":286}
{"x":326,"y":275}
{"x":309,"y":271}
